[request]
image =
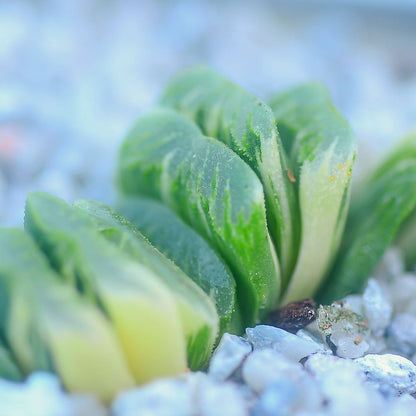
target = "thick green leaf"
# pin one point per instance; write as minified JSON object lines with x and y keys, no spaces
{"x":376,"y":214}
{"x":406,"y":238}
{"x":190,"y":252}
{"x":166,"y":157}
{"x":50,"y":327}
{"x":246,"y":124}
{"x":197,"y":310}
{"x":321,"y":147}
{"x":8,"y":368}
{"x":406,"y":241}
{"x":143,"y":312}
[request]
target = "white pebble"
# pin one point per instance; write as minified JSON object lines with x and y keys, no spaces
{"x":377,"y":307}
{"x":165,"y":397}
{"x":391,"y":370}
{"x":402,"y":334}
{"x":291,"y":346}
{"x":220,"y":399}
{"x":42,"y":395}
{"x":262,"y":367}
{"x":391,"y":266}
{"x":342,"y":383}
{"x":404,"y":405}
{"x":228,"y":356}
{"x":403,"y":292}
{"x":284,"y":398}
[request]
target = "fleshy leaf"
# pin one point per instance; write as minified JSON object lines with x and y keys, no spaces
{"x":50,"y":327}
{"x":378,"y":210}
{"x":190,"y":252}
{"x":197,"y":311}
{"x":406,"y":238}
{"x":245,"y":124}
{"x":322,"y":149}
{"x":8,"y":367}
{"x":139,"y":305}
{"x":371,"y":227}
{"x":166,"y":157}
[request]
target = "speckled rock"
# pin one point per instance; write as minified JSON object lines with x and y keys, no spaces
{"x":391,"y":370}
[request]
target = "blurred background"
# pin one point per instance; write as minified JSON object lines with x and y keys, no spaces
{"x":74,"y":75}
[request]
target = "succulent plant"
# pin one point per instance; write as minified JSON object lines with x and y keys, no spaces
{"x":227,"y":208}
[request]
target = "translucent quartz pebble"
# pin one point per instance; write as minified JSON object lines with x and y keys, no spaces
{"x":402,"y":334}
{"x":262,"y":367}
{"x":391,"y":266}
{"x":165,"y":397}
{"x":354,"y":303}
{"x":291,"y":346}
{"x":285,"y":398}
{"x":391,"y":370}
{"x":228,"y":356}
{"x":349,"y":344}
{"x":403,"y":293}
{"x":42,"y":395}
{"x":342,"y":384}
{"x":344,"y":330}
{"x":377,"y":307}
{"x":187,"y":395}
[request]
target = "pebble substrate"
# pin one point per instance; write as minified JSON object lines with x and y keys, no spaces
{"x":357,"y":357}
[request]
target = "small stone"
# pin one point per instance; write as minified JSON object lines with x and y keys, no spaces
{"x":322,"y":366}
{"x":42,"y":394}
{"x":391,"y":265}
{"x":377,"y":307}
{"x":305,"y":334}
{"x":262,"y":367}
{"x":402,"y":334}
{"x":391,"y":370}
{"x":294,"y":316}
{"x":344,"y":331}
{"x":354,"y":303}
{"x":291,"y":346}
{"x":228,"y":356}
{"x":403,"y":293}
{"x":215,"y":399}
{"x":283,"y":398}
{"x":404,"y":405}
{"x":165,"y":397}
{"x":342,"y":383}
{"x":377,"y":344}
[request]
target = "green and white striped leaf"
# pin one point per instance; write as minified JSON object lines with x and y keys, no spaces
{"x":166,"y":157}
{"x":190,"y":252}
{"x":322,"y":148}
{"x":49,"y":327}
{"x":378,"y":210}
{"x":141,"y":308}
{"x":245,"y":124}
{"x":197,"y":311}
